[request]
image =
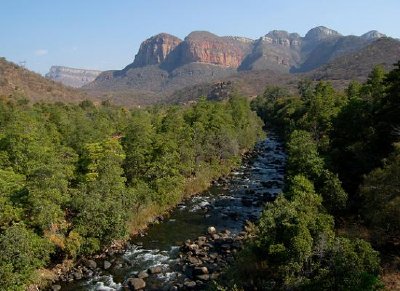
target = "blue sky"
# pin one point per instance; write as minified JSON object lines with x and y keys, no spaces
{"x":105,"y":35}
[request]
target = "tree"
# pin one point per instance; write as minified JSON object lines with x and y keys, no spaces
{"x":101,"y":203}
{"x":303,"y":155}
{"x":22,"y":251}
{"x":381,"y":195}
{"x":294,"y":234}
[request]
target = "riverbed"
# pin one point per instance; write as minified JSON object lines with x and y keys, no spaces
{"x":226,"y":205}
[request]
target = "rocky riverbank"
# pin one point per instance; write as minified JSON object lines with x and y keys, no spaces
{"x":180,"y":251}
{"x":200,"y":261}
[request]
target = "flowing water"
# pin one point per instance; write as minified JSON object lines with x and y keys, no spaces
{"x":227,"y":204}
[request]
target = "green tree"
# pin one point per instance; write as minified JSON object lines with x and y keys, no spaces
{"x":303,"y":156}
{"x":102,"y":204}
{"x":22,"y":251}
{"x":381,"y":196}
{"x":294,"y":233}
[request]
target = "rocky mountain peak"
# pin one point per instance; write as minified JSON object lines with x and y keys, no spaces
{"x":278,"y":34}
{"x":199,"y":35}
{"x":373,"y":34}
{"x":321,"y":32}
{"x":155,"y":49}
{"x":282,"y":37}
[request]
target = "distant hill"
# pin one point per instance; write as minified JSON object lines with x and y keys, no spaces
{"x":71,"y":76}
{"x":166,"y":64}
{"x":357,"y":65}
{"x":17,"y":82}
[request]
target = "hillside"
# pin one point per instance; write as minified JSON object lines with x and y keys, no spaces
{"x":17,"y":82}
{"x":357,"y":65}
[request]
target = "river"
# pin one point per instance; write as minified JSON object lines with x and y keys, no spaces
{"x":226,"y":205}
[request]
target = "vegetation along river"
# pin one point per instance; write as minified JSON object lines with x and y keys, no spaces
{"x":226,"y":205}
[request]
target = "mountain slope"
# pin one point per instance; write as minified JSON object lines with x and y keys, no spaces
{"x":17,"y":82}
{"x":358,"y":64}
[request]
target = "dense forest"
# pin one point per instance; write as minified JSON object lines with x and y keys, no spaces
{"x":75,"y":178}
{"x":342,"y":170}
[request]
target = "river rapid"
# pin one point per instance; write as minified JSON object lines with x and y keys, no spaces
{"x":156,"y":256}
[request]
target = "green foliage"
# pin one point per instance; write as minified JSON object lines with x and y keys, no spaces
{"x":294,"y":233}
{"x":328,"y":132}
{"x":354,"y":265}
{"x":73,"y":176}
{"x":22,"y":251}
{"x":381,"y":194}
{"x":303,"y":156}
{"x":296,"y":240}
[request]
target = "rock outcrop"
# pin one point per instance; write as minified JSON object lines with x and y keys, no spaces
{"x":208,"y":48}
{"x":71,"y":76}
{"x":278,"y":50}
{"x":320,"y":33}
{"x":205,"y":47}
{"x":154,"y":50}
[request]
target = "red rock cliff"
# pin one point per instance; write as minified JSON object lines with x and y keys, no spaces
{"x":205,"y":47}
{"x":154,"y":50}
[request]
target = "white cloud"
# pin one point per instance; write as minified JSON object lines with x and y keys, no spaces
{"x":41,"y":52}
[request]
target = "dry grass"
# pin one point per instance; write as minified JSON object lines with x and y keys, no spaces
{"x":391,"y":279}
{"x":44,"y":277}
{"x":145,"y":215}
{"x":17,"y":83}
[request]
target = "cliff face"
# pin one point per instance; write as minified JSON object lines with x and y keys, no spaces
{"x":154,"y":50}
{"x":72,"y":77}
{"x":277,"y":50}
{"x":208,"y":48}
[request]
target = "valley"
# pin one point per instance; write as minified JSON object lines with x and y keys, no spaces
{"x":205,"y":162}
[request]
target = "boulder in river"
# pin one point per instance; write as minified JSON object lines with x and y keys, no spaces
{"x":211,"y":230}
{"x":106,"y":265}
{"x":155,"y":270}
{"x":91,"y":264}
{"x":136,"y":283}
{"x":189,"y":284}
{"x":143,"y":275}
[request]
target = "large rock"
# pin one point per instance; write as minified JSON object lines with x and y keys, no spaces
{"x":211,"y":230}
{"x":136,"y":283}
{"x":106,"y":265}
{"x":143,"y":275}
{"x":91,"y":264}
{"x":155,"y":270}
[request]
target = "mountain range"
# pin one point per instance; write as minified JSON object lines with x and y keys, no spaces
{"x":168,"y":69}
{"x":166,"y":63}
